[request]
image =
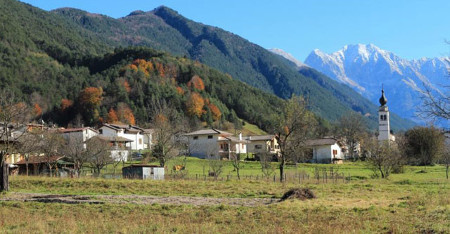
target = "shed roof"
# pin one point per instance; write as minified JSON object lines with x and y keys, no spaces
{"x":142,"y":165}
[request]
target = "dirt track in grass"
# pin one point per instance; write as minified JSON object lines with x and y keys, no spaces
{"x":135,"y":199}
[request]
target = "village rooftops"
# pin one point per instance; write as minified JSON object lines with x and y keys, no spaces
{"x":127,"y":128}
{"x":69,"y":130}
{"x":209,"y":132}
{"x":260,"y":138}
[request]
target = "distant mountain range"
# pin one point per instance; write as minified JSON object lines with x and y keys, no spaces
{"x":165,"y":29}
{"x":366,"y":67}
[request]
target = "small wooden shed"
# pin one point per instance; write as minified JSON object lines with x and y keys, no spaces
{"x":143,"y":171}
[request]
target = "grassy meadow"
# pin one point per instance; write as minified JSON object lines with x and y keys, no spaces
{"x":416,"y":201}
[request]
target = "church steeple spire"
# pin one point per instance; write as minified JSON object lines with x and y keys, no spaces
{"x":383,"y":99}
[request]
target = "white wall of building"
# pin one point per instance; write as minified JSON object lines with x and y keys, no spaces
{"x":324,"y":153}
{"x":202,"y":146}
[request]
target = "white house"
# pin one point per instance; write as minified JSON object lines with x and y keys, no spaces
{"x":263,"y":144}
{"x":78,"y":134}
{"x":326,"y":150}
{"x":133,"y":133}
{"x":215,"y":143}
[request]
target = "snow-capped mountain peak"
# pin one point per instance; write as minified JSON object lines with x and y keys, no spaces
{"x":366,"y":67}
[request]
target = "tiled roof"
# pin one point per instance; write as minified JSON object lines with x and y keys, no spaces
{"x":323,"y":141}
{"x":208,"y":132}
{"x":67,"y":130}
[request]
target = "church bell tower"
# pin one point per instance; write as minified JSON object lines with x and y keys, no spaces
{"x":384,"y":128}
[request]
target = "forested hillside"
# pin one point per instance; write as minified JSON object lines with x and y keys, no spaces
{"x":65,"y":72}
{"x":52,"y":58}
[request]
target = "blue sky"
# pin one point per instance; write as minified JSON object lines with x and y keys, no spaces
{"x":410,"y":28}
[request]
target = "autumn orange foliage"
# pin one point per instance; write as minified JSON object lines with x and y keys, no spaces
{"x":160,"y":119}
{"x":91,"y":96}
{"x":215,"y":111}
{"x":180,"y":90}
{"x":142,"y":65}
{"x":195,"y":105}
{"x":197,"y":83}
{"x":160,"y":69}
{"x":126,"y":85}
{"x":65,"y":104}
{"x":37,"y":110}
{"x":112,"y":116}
{"x":125,"y":114}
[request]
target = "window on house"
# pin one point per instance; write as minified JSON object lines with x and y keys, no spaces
{"x":195,"y":137}
{"x":334,"y":152}
{"x":258,"y":146}
{"x":242,"y":146}
{"x":210,"y":136}
{"x":140,"y":141}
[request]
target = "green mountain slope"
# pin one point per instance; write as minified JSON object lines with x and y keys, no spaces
{"x":165,"y":29}
{"x":48,"y":61}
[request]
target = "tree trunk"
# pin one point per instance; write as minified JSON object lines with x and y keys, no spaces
{"x":4,"y":183}
{"x":282,"y":163}
{"x":446,"y":170}
{"x":26,"y":166}
{"x":237,"y":172}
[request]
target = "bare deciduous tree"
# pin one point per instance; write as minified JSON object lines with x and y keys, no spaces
{"x":13,"y":114}
{"x":351,"y":128}
{"x":267,"y":166}
{"x":435,"y":104}
{"x":29,"y":145}
{"x":98,"y":154}
{"x":237,"y":163}
{"x":445,"y":159}
{"x":50,"y":146}
{"x":292,"y":128}
{"x":382,"y":157}
{"x":216,"y":166}
{"x":168,"y":127}
{"x":74,"y":149}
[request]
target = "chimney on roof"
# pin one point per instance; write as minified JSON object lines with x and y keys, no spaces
{"x":240,"y":136}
